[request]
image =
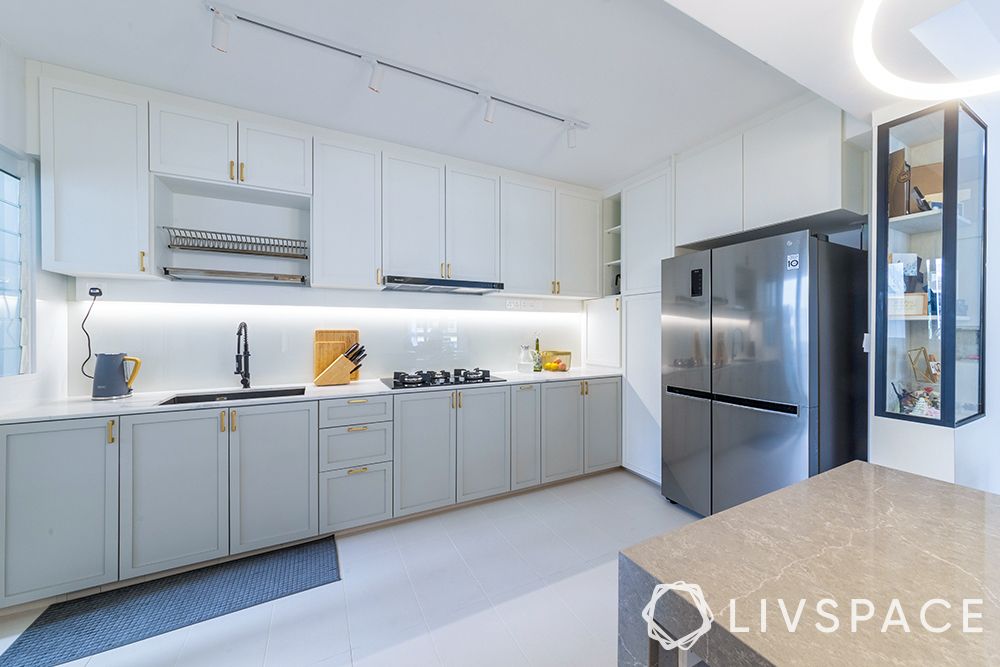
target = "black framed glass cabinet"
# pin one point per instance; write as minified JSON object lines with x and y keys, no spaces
{"x":930,"y":278}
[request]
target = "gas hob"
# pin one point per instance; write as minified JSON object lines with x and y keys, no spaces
{"x":425,"y":379}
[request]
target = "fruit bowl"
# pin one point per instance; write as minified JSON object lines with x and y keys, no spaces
{"x":556,"y":360}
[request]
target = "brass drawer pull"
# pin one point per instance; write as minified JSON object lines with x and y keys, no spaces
{"x":353,"y":429}
{"x":222,"y":422}
{"x":459,"y":399}
{"x":583,"y":390}
{"x":526,"y":387}
{"x":232,"y":170}
{"x":354,"y":471}
{"x":142,"y":261}
{"x":356,"y":401}
{"x":111,"y":431}
{"x":232,"y":421}
{"x":243,"y":171}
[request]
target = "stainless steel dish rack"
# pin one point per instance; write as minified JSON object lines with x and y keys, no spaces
{"x":237,"y":244}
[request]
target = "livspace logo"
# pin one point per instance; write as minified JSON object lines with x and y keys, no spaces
{"x":935,"y":616}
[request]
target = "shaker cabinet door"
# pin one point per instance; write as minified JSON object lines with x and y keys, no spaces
{"x":174,"y":490}
{"x":647,"y":236}
{"x":413,"y":216}
{"x":346,"y":249}
{"x":526,"y":436}
{"x":603,"y":424}
{"x":95,"y":181}
{"x":527,"y":222}
{"x":578,"y":245}
{"x":473,"y":225}
{"x":275,"y":157}
{"x":483,"y":442}
{"x":273,"y":475}
{"x":562,"y":430}
{"x":191,"y":143}
{"x":58,"y":507}
{"x":424,"y":451}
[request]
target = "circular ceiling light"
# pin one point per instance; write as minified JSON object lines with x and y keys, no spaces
{"x":878,"y":75}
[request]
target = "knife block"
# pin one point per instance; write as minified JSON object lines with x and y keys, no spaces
{"x":339,"y":372}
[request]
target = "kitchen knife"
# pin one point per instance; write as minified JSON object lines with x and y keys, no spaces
{"x":351,"y":350}
{"x":357,"y":354}
{"x":359,"y":359}
{"x":355,"y":368}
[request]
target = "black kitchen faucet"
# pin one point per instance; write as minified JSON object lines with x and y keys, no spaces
{"x":243,"y":359}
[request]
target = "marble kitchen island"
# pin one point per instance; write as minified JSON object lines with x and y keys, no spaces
{"x":860,"y":537}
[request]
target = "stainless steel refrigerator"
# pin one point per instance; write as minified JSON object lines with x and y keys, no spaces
{"x":764,"y":379}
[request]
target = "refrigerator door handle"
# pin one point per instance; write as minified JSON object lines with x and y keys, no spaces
{"x":770,"y":407}
{"x":693,"y":394}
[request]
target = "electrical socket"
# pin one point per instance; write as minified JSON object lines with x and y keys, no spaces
{"x":89,"y":285}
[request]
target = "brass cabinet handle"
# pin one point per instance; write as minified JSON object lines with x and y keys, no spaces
{"x":142,"y":261}
{"x":222,"y":422}
{"x":442,"y":270}
{"x":586,"y":388}
{"x":243,"y":171}
{"x":354,"y":429}
{"x":558,"y":287}
{"x":378,"y":276}
{"x":232,"y":421}
{"x":553,"y":287}
{"x":459,"y":399}
{"x":232,"y":170}
{"x":111,"y":431}
{"x":582,"y":390}
{"x":449,"y":269}
{"x":355,"y":401}
{"x":618,"y":303}
{"x":526,"y":387}
{"x":354,"y":471}
{"x":453,"y":400}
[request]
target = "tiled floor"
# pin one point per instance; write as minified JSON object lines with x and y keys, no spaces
{"x":524,"y":580}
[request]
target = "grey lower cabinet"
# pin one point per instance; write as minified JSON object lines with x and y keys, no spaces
{"x":602,"y":424}
{"x":525,"y":436}
{"x":58,"y":507}
{"x":483,"y":421}
{"x":562,"y":429}
{"x":174,"y":490}
{"x":273,"y":475}
{"x":355,"y":496}
{"x":424,"y":451}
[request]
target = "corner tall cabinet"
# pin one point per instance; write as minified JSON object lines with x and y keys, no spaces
{"x":931,"y":267}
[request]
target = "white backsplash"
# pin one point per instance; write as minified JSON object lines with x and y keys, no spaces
{"x":190,"y":346}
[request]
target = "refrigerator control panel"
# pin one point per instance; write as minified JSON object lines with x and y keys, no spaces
{"x":697,"y":282}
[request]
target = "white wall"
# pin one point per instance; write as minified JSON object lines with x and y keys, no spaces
{"x":48,"y":349}
{"x":977,"y":445}
{"x":12,"y":99}
{"x":187,"y":346}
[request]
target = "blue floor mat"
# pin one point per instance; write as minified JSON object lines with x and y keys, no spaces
{"x":78,"y":628}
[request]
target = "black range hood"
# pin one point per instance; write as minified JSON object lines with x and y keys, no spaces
{"x":439,"y":285}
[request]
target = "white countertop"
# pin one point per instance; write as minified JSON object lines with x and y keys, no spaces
{"x":81,"y":407}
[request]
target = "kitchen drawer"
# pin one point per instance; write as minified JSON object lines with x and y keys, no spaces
{"x":345,"y":446}
{"x":347,"y":411}
{"x":355,"y":496}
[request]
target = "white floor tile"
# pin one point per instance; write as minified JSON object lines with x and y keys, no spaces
{"x":397,"y":650}
{"x":342,"y":660}
{"x":238,"y":639}
{"x":12,"y":625}
{"x":308,"y":627}
{"x":477,"y":637}
{"x":153,"y":652}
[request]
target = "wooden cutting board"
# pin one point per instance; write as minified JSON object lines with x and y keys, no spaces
{"x":328,"y":344}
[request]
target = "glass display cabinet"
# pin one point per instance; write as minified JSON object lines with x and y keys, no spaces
{"x":930,"y":278}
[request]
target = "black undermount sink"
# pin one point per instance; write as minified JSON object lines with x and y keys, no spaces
{"x":235,"y":395}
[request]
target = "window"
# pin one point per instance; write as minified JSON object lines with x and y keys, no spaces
{"x":12,"y":343}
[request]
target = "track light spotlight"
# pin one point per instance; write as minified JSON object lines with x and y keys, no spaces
{"x":570,"y":134}
{"x":491,"y":108}
{"x":378,"y":71}
{"x":220,"y":30}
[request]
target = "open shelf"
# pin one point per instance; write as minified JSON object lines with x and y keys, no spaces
{"x":917,"y":223}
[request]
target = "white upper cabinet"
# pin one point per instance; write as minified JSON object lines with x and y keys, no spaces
{"x":646,"y":233}
{"x":527,"y":223}
{"x":346,"y":213}
{"x":413,"y":216}
{"x":578,"y":245}
{"x":794,"y":166}
{"x":94,"y":181}
{"x":275,"y":157}
{"x":708,"y":200}
{"x":473,"y":225}
{"x":184,"y":142}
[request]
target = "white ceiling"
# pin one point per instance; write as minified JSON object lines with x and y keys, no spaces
{"x":811,"y":41}
{"x":648,"y":79}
